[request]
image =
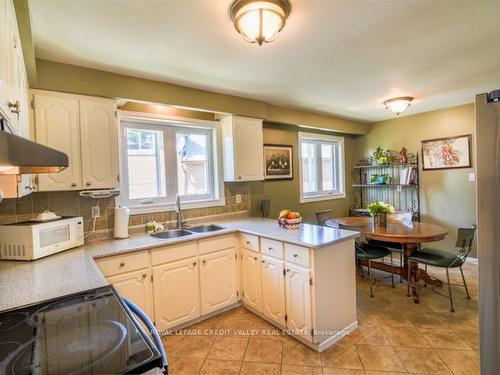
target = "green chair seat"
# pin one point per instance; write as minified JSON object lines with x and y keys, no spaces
{"x":436,"y":257}
{"x":366,"y":251}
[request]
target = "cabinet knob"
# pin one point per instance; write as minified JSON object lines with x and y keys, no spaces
{"x":73,"y":184}
{"x":122,"y":264}
{"x":270,"y":249}
{"x":287,"y":270}
{"x":88,"y":184}
{"x":239,"y":177}
{"x":144,"y":275}
{"x":263,"y":261}
{"x":204,"y":261}
{"x":254,"y":258}
{"x":248,"y":242}
{"x":295,"y":255}
{"x":194,"y":263}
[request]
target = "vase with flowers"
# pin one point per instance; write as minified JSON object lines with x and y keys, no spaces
{"x":378,"y":211}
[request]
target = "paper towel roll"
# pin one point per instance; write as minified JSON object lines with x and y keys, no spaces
{"x":121,"y":222}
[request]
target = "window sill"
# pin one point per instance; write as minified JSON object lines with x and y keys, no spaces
{"x":318,"y":198}
{"x":154,"y":208}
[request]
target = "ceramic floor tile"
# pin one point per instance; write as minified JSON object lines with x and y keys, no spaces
{"x":347,"y":360}
{"x":422,"y":361}
{"x":341,"y":371}
{"x":295,"y":353}
{"x":330,"y":354}
{"x":220,"y":367}
{"x":251,"y":368}
{"x":461,"y":362}
{"x":470,"y":336}
{"x":444,"y":339}
{"x":380,"y":358}
{"x":238,"y":326}
{"x":375,"y":336}
{"x":228,"y":348}
{"x":264,"y":350}
{"x":407,"y":336}
{"x":184,"y":366}
{"x":288,"y":369}
{"x":188,"y":346}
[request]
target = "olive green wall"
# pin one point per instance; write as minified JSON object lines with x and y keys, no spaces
{"x":79,"y":80}
{"x":285,"y":194}
{"x":447,"y":197}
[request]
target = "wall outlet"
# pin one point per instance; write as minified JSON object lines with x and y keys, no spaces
{"x":238,"y":198}
{"x":96,"y":212}
{"x":472,"y":177}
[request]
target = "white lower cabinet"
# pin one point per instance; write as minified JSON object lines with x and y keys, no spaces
{"x":135,"y":286}
{"x":298,"y":299}
{"x":273,"y":289}
{"x":176,"y":287}
{"x":252,"y":291}
{"x":218,"y":280}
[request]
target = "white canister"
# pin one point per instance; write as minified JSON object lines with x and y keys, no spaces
{"x":121,"y":222}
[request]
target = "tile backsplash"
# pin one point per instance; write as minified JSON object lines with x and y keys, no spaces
{"x":69,"y":203}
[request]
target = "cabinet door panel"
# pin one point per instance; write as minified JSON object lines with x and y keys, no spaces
{"x":56,"y":125}
{"x":248,"y":149}
{"x":298,"y":299}
{"x":251,"y":280}
{"x":218,"y":280}
{"x":136,"y":286}
{"x":99,"y":144}
{"x":273,"y":289}
{"x":176,"y":288}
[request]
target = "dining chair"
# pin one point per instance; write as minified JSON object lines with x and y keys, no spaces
{"x":323,"y":216}
{"x":367,"y":251}
{"x":447,"y":260}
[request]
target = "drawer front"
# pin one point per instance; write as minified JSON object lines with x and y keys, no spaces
{"x":271,"y":248}
{"x":297,"y":254}
{"x":209,"y":245}
{"x":172,"y":253}
{"x":123,"y":263}
{"x":250,"y":242}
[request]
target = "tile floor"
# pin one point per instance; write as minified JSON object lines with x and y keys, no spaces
{"x":395,"y":336}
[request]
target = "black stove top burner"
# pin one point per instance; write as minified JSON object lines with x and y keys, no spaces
{"x":86,"y":333}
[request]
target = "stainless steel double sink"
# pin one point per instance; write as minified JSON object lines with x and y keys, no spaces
{"x":174,"y":233}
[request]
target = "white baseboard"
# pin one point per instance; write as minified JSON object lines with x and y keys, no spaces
{"x":338,"y":336}
{"x":471,"y":260}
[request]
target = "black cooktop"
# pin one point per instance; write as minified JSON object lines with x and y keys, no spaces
{"x":86,"y":333}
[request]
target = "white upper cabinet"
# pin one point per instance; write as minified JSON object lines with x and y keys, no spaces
{"x":273,"y":289}
{"x":218,"y":280}
{"x":298,"y":299}
{"x":57,"y":126}
{"x":99,"y":143}
{"x":13,"y":81}
{"x":243,"y":148}
{"x":85,"y":129}
{"x":252,"y":294}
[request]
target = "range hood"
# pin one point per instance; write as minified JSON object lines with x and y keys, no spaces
{"x":19,"y":155}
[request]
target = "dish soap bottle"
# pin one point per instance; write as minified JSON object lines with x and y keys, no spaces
{"x":150,"y":226}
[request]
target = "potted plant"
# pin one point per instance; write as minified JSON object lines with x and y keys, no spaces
{"x":378,"y":211}
{"x":382,"y":157}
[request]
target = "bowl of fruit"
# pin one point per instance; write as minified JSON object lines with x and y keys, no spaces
{"x":289,"y":219}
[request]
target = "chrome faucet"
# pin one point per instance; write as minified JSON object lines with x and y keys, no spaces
{"x":179,"y":211}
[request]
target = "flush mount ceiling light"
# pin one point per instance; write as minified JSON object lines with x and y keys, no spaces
{"x":259,"y":21}
{"x":398,"y":105}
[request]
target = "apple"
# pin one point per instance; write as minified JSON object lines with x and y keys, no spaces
{"x":292,"y":215}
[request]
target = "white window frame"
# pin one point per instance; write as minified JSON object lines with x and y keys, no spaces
{"x":327,"y":195}
{"x":174,"y":124}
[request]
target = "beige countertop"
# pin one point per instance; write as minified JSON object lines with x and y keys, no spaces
{"x":73,"y":271}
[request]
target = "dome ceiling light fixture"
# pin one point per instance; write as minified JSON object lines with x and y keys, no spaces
{"x":259,"y":21}
{"x":398,"y":105}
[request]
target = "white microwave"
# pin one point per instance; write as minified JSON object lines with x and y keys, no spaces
{"x":31,"y":240}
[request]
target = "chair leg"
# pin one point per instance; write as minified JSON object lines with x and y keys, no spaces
{"x":392,"y":272}
{"x":425,"y":267}
{"x":370,"y":275}
{"x":449,"y":290}
{"x":401,"y":266}
{"x":409,"y":279}
{"x":465,"y":284}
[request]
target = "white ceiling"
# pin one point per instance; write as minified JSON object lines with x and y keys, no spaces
{"x":338,"y":57}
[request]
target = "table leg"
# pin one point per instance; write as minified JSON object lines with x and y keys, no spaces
{"x":408,"y":250}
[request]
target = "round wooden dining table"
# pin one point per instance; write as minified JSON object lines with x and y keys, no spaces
{"x":408,"y":237}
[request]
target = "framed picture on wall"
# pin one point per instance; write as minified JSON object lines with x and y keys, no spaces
{"x":278,"y":162}
{"x":446,"y":153}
